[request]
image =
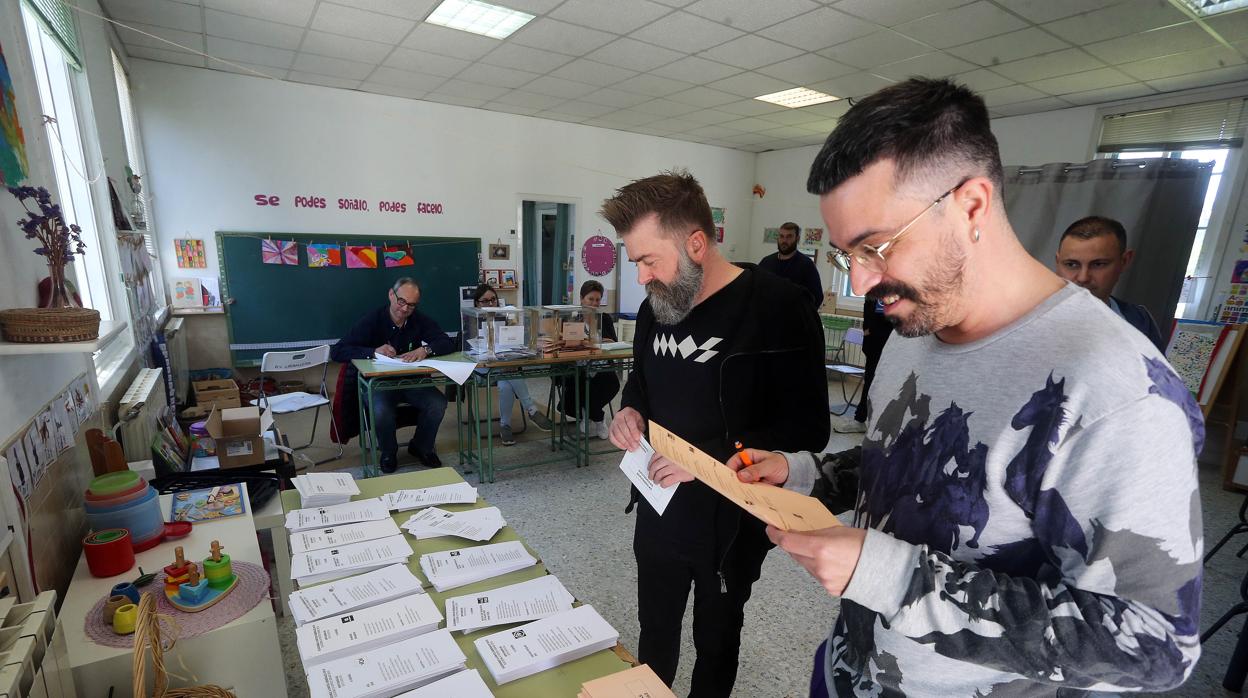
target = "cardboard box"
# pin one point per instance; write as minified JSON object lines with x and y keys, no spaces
{"x":222,"y":394}
{"x":239,"y":435}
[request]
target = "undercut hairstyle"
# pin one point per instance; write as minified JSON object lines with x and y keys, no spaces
{"x":791,"y":226}
{"x":590,"y":286}
{"x":1095,"y":226}
{"x":928,"y":127}
{"x":480,"y":292}
{"x":404,"y":281}
{"x":675,"y":196}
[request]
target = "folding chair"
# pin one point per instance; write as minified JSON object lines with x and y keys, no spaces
{"x":834,"y":329}
{"x":853,"y":335}
{"x":287,"y":403}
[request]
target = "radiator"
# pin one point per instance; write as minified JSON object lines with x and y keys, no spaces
{"x":175,"y":339}
{"x":141,"y":404}
{"x":851,"y":353}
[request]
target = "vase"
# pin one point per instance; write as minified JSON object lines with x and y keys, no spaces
{"x":59,"y":295}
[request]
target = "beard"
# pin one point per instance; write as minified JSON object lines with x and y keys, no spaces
{"x":933,"y":302}
{"x":786,"y":249}
{"x":672,"y":302}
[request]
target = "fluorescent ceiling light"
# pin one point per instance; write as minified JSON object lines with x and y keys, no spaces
{"x":800,"y":97}
{"x":1205,"y":8}
{"x":478,"y":17}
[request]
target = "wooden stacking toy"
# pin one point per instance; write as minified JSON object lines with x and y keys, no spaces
{"x":191,"y":593}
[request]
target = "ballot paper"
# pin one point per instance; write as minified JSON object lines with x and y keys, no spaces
{"x":544,"y":644}
{"x":406,"y":500}
{"x":324,"y":489}
{"x":360,"y":591}
{"x":458,"y":371}
{"x":784,"y":509}
{"x":638,"y":682}
{"x":515,"y":603}
{"x":474,"y":524}
{"x":324,"y":517}
{"x":365,"y":628}
{"x":455,"y":568}
{"x":465,"y":684}
{"x":385,"y":671}
{"x":334,"y":536}
{"x":332,"y":563}
{"x":636,"y":467}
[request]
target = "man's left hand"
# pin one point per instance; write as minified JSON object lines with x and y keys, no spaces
{"x":666,"y":473}
{"x":829,"y":554}
{"x":416,"y":355}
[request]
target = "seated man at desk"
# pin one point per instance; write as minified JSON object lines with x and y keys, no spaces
{"x":602,"y":386}
{"x":486,"y":297}
{"x":397,"y":329}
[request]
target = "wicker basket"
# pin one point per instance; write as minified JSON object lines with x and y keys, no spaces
{"x":50,"y":325}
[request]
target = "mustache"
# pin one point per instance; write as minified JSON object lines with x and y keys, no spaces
{"x":893,"y":288}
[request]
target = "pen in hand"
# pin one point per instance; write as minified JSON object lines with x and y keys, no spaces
{"x":745,"y":456}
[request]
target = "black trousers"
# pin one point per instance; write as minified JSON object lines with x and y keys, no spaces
{"x":663,"y":580}
{"x":602,"y":389}
{"x":871,"y":349}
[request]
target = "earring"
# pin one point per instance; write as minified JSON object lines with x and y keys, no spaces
{"x":976,"y":238}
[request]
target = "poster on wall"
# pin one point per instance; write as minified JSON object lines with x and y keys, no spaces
{"x":1191,"y":349}
{"x":279,"y":252}
{"x":190,"y":254}
{"x":398,"y":256}
{"x":210,"y":288}
{"x":324,"y":254}
{"x":13,"y":163}
{"x":717,"y":215}
{"x":814,"y":236}
{"x":187,"y":293}
{"x":19,"y":466}
{"x":771,"y":234}
{"x":361,"y":257}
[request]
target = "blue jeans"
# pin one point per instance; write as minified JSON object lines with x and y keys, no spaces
{"x":507,"y":392}
{"x":430,"y":405}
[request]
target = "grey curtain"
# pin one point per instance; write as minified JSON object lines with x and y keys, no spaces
{"x":531,"y":238}
{"x":1157,"y":200}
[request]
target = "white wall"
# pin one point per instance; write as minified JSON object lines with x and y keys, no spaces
{"x":213,"y":140}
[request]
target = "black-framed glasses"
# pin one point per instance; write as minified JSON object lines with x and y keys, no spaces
{"x":871,"y":257}
{"x":403,"y":302}
{"x":488,"y":300}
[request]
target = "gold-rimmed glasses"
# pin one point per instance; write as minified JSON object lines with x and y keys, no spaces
{"x":871,"y":257}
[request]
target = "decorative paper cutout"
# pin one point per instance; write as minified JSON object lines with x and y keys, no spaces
{"x":190,"y":254}
{"x":323,"y":254}
{"x":814,"y":235}
{"x":279,"y":252}
{"x":13,"y":164}
{"x":187,"y":293}
{"x":398,"y":256}
{"x":361,"y":257}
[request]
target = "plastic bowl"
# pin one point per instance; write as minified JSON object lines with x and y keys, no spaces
{"x":111,"y":483}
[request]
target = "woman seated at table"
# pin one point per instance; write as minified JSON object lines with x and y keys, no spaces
{"x":602,"y":386}
{"x":509,"y":390}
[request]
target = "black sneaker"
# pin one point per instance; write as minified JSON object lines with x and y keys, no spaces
{"x":429,"y":460}
{"x":505,"y":435}
{"x":389,"y":464}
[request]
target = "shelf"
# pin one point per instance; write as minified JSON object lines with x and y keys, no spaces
{"x":108,"y":330}
{"x":186,"y":312}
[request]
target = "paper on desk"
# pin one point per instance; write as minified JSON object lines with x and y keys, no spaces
{"x":334,"y":536}
{"x":365,"y":628}
{"x":465,"y":684}
{"x":406,"y":500}
{"x":638,"y":682}
{"x":458,"y":371}
{"x":615,"y":346}
{"x":317,"y":565}
{"x":784,"y":509}
{"x":385,"y":671}
{"x":544,"y":644}
{"x":353,"y":592}
{"x":636,"y":467}
{"x":337,"y":514}
{"x":515,"y":603}
{"x":474,"y":524}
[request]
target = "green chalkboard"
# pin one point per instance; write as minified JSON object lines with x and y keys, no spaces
{"x":277,"y":307}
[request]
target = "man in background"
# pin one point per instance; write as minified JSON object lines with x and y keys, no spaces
{"x":1093,"y":254}
{"x":790,"y":264}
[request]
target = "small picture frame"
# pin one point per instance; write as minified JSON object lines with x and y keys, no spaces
{"x":500,"y":252}
{"x":490,"y":276}
{"x":507,"y":278}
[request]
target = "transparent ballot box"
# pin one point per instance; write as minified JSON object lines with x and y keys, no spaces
{"x":498,"y":333}
{"x":567,"y":329}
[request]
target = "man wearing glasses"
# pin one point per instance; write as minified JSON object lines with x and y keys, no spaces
{"x":398,"y":330}
{"x":1028,"y":521}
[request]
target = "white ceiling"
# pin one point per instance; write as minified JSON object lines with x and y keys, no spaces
{"x":689,"y":69}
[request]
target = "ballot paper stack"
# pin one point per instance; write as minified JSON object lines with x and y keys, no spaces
{"x":322,"y":565}
{"x":545,"y":644}
{"x":455,"y":568}
{"x":630,"y":683}
{"x":363,"y":629}
{"x":325,"y":489}
{"x":465,"y":684}
{"x":474,"y":524}
{"x":335,"y":536}
{"x":406,"y":500}
{"x":516,"y":603}
{"x":360,"y":591}
{"x":389,"y":670}
{"x":337,"y":515}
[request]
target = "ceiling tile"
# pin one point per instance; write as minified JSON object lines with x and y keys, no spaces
{"x":425,"y":62}
{"x":750,"y":15}
{"x":449,"y":42}
{"x":807,"y":70}
{"x":617,"y":16}
{"x":392,"y":90}
{"x":932,"y":65}
{"x":406,"y":79}
{"x":1151,"y":44}
{"x":160,"y":13}
{"x":890,"y":13}
{"x":249,"y":69}
{"x":1034,"y":106}
{"x":1040,"y":11}
{"x":750,"y":124}
{"x":1110,"y":94}
{"x":587,"y":71}
{"x":360,"y":24}
{"x":744,"y":139}
{"x":510,"y":108}
{"x":510,"y":55}
{"x":852,"y":85}
{"x":792,"y":117}
{"x":1211,"y":58}
{"x":256,"y":31}
{"x":627,"y":117}
{"x":520,"y":98}
{"x":957,"y":26}
{"x":696,"y":70}
{"x":249,"y":53}
{"x":178,"y":57}
{"x":1234,"y":73}
{"x":1049,"y":65}
{"x":407,"y":9}
{"x":703,"y":97}
{"x":750,"y":52}
{"x":819,"y":29}
{"x":496,"y":75}
{"x":876,"y":49}
{"x":1232,"y":26}
{"x":714,"y":131}
{"x":533,"y":7}
{"x":560,"y":116}
{"x":750,"y":85}
{"x":294,"y":12}
{"x":786,"y":132}
{"x":829,"y":110}
{"x":345,"y":47}
{"x":471,"y":90}
{"x":1009,"y":47}
{"x":1116,"y":20}
{"x":634,"y":55}
{"x":558,"y":87}
{"x":323,"y":80}
{"x":664,"y":107}
{"x":983,"y":79}
{"x":334,"y":67}
{"x":189,"y":40}
{"x":1010,"y":95}
{"x":585,"y":109}
{"x":751,"y":107}
{"x":652,"y":85}
{"x":672,"y":125}
{"x":455,"y":100}
{"x":675,"y":3}
{"x":708,"y":116}
{"x":685,"y":32}
{"x":560,"y":37}
{"x":1082,"y":82}
{"x":615,"y":98}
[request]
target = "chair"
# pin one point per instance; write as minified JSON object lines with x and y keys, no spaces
{"x":834,"y":329}
{"x":287,"y":403}
{"x":853,"y":335}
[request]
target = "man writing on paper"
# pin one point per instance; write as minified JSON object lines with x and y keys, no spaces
{"x":398,"y":330}
{"x":1028,"y":522}
{"x":717,"y":348}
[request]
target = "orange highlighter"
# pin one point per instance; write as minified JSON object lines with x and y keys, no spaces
{"x":745,"y":457}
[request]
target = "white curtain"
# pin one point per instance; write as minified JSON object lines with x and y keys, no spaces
{"x":1157,"y":200}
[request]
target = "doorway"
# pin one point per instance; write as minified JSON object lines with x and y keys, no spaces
{"x":547,"y":239}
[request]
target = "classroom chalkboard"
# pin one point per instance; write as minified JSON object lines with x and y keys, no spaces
{"x":282,"y":307}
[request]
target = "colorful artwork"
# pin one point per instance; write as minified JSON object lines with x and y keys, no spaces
{"x":323,"y":254}
{"x":13,"y":164}
{"x":717,"y":215}
{"x":398,"y":256}
{"x":814,"y":235}
{"x":491,"y":277}
{"x":208,"y":504}
{"x":507,"y":278}
{"x":279,"y":252}
{"x":1240,"y":275}
{"x":771,"y":234}
{"x":1235,"y":305}
{"x":1190,"y":351}
{"x":361,"y":257}
{"x":46,"y":429}
{"x":187,"y":293}
{"x":211,"y":291}
{"x":190,"y":254}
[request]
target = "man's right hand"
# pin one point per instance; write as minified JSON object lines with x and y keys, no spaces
{"x":769,"y":467}
{"x":627,"y":429}
{"x":384,"y":350}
